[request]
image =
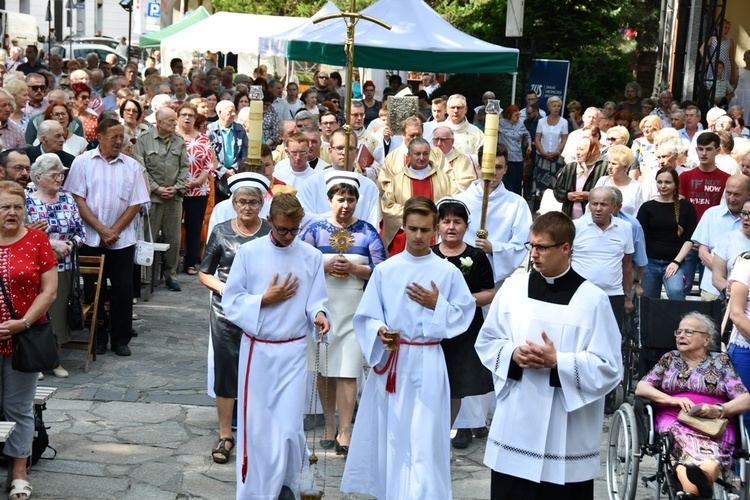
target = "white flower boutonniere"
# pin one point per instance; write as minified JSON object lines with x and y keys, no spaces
{"x":466,"y":263}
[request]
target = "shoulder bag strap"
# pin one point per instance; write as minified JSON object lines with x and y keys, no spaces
{"x":6,"y":298}
{"x":148,"y":224}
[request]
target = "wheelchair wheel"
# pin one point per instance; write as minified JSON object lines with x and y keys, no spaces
{"x":623,"y":455}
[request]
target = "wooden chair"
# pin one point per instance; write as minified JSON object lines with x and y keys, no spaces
{"x":95,"y":266}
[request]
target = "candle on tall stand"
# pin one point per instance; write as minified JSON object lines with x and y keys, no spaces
{"x":489,"y":153}
{"x":255,"y":125}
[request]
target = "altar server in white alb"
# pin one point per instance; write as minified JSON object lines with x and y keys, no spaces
{"x":400,"y":447}
{"x":276,"y":293}
{"x":552,"y":341}
{"x":508,"y":223}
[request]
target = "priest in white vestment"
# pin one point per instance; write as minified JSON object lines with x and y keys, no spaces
{"x":553,"y":344}
{"x":400,"y":446}
{"x":398,"y":158}
{"x":508,"y":223}
{"x":313,"y":194}
{"x":468,"y":137}
{"x":276,"y":293}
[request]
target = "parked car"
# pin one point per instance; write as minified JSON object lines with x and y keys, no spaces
{"x":84,"y":49}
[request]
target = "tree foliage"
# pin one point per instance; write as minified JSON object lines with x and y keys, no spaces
{"x":588,"y":33}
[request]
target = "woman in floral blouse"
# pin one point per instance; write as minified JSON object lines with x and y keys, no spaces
{"x":65,"y":230}
{"x":202,"y":162}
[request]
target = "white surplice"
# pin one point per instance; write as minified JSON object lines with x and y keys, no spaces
{"x":540,"y":432}
{"x":508,"y":224}
{"x":313,"y":195}
{"x":271,"y":394}
{"x":400,"y":445}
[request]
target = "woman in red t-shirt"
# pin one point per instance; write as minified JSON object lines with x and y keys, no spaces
{"x":28,"y":268}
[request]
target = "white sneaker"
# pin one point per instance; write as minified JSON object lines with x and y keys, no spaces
{"x":41,"y":376}
{"x":60,"y":372}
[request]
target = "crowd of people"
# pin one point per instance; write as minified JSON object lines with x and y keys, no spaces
{"x":323,"y":272}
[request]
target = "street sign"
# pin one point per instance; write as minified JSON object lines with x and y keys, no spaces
{"x":154,"y":10}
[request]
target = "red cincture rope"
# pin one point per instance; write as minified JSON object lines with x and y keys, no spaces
{"x":247,"y":380}
{"x":391,"y":364}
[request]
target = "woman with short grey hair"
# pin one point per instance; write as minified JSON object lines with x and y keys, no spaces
{"x":551,"y":136}
{"x":248,"y":190}
{"x":65,"y":231}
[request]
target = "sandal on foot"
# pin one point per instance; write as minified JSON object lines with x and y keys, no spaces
{"x":191,"y":271}
{"x":221,"y":449}
{"x":699,"y":478}
{"x":20,"y":489}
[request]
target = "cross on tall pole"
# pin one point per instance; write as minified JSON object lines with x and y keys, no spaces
{"x":351,"y":19}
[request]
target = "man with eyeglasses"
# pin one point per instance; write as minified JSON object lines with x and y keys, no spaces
{"x":467,"y":137}
{"x":604,"y":251}
{"x":51,"y":137}
{"x":297,"y":151}
{"x":508,"y":222}
{"x":420,"y":177}
{"x":313,"y":194}
{"x":16,"y":166}
{"x":328,"y":125}
{"x":163,"y":154}
{"x":553,"y":366}
{"x":398,"y":158}
{"x":717,"y":222}
{"x":36,"y":104}
{"x":32,"y":64}
{"x":276,"y":294}
{"x":288,"y":127}
{"x":11,"y":133}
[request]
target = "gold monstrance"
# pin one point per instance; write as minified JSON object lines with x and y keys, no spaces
{"x":341,"y":241}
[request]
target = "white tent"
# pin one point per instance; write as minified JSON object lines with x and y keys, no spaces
{"x":228,"y":32}
{"x":276,"y":45}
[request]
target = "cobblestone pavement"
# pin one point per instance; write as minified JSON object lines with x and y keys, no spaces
{"x":143,"y":427}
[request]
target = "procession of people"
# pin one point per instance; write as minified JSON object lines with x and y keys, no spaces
{"x":370,"y":269}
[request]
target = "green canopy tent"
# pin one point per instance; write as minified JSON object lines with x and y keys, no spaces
{"x":420,"y":40}
{"x":153,"y":40}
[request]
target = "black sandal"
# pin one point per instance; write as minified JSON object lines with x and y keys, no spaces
{"x":221,"y":449}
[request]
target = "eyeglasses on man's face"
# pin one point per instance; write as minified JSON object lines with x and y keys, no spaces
{"x":540,"y":248}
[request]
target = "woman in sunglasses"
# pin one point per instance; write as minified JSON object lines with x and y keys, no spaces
{"x":81,"y":110}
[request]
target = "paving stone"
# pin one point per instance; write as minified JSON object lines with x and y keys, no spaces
{"x":142,"y":427}
{"x":137,"y":412}
{"x":164,"y":435}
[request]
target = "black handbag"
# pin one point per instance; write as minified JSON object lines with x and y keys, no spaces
{"x":35,"y":349}
{"x":75,"y":301}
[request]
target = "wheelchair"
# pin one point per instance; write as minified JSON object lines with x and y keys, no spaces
{"x":632,"y":434}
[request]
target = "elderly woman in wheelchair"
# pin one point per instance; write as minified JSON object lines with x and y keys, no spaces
{"x":701,"y":383}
